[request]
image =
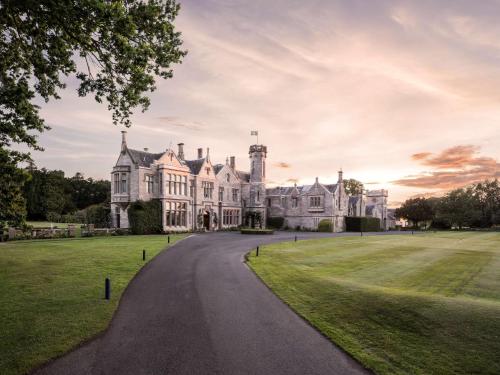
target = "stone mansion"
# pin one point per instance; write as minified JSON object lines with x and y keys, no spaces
{"x":199,"y":195}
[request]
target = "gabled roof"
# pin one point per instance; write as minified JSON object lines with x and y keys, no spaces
{"x":243,"y":176}
{"x":280,"y":190}
{"x":331,"y":188}
{"x":143,"y":158}
{"x":195,"y":165}
{"x":218,"y":168}
{"x":353,"y":200}
{"x":369,"y":209}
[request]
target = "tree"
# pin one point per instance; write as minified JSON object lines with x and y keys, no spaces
{"x":459,"y":208}
{"x":115,"y":49}
{"x":353,"y":187}
{"x":12,"y":204}
{"x":487,"y":194}
{"x":416,"y":210}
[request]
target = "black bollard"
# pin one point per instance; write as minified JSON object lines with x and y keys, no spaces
{"x":412,"y":232}
{"x":361,"y":233}
{"x":143,"y":254}
{"x":295,"y":238}
{"x":257,"y":252}
{"x":168,"y":239}
{"x":107,"y":289}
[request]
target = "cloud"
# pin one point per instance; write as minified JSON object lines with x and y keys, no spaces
{"x":282,"y":164}
{"x":180,"y":123}
{"x":452,"y":168}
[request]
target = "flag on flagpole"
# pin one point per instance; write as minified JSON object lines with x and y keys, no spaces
{"x":254,"y":132}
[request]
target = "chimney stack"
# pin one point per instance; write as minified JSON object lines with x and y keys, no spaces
{"x":124,"y":140}
{"x":208,"y":153}
{"x":341,"y":179}
{"x":146,"y":149}
{"x":233,"y":163}
{"x":180,"y":153}
{"x":200,"y":153}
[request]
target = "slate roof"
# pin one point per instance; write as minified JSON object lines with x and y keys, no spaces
{"x":369,"y":209}
{"x":244,"y":176}
{"x":143,"y":158}
{"x":331,"y":188}
{"x":195,"y":165}
{"x":218,"y":168}
{"x":353,"y":200}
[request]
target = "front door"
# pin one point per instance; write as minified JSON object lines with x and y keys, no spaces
{"x":206,"y":220}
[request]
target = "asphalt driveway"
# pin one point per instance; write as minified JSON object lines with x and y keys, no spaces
{"x":198,"y":309}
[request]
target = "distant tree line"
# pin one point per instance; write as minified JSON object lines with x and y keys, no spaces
{"x":49,"y":195}
{"x":474,"y":206}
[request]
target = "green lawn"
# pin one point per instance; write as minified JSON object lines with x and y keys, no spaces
{"x":51,"y":292}
{"x":423,"y":304}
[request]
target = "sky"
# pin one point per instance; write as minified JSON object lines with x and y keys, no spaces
{"x":402,"y":95}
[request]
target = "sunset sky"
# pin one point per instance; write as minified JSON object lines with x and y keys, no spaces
{"x":403,"y":95}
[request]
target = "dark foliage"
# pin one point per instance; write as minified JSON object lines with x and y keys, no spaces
{"x":145,"y":217}
{"x":275,"y":222}
{"x":325,"y":225}
{"x":362,"y":224}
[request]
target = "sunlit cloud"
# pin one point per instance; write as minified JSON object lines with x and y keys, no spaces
{"x":454,"y":167}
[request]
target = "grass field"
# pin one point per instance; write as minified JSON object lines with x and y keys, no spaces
{"x":51,"y":292}
{"x":423,"y":304}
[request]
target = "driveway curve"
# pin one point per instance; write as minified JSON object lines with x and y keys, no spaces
{"x":198,"y":309}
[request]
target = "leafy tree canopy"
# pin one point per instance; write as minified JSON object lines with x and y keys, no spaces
{"x":114,"y":48}
{"x":353,"y":187}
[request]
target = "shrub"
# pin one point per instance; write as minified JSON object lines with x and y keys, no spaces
{"x":256,"y":231}
{"x":145,"y":217}
{"x":99,"y":215}
{"x":275,"y":222}
{"x":362,"y":224}
{"x":325,"y":225}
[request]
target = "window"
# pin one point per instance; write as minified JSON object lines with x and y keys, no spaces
{"x":208,"y":171}
{"x":228,"y":177}
{"x":221,"y":194}
{"x":283,"y":201}
{"x":315,"y":202}
{"x":316,"y":221}
{"x":169,"y":183}
{"x":235,"y":195}
{"x":149,"y":184}
{"x":175,"y":214}
{"x":208,"y":188}
{"x":123,"y":187}
{"x":295,"y":202}
{"x":264,"y":168}
{"x":175,"y":184}
{"x":230,"y":217}
{"x":161,"y":183}
{"x":116,"y":185}
{"x":185,"y":185}
{"x":258,"y":195}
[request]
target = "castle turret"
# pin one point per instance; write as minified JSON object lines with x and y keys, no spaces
{"x":258,"y":154}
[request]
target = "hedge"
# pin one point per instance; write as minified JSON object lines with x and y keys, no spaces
{"x":362,"y":224}
{"x":256,"y":231}
{"x":325,"y":225}
{"x":275,"y":222}
{"x":145,"y":217}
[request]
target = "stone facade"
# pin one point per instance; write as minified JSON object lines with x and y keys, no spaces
{"x":199,"y":195}
{"x":195,"y":194}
